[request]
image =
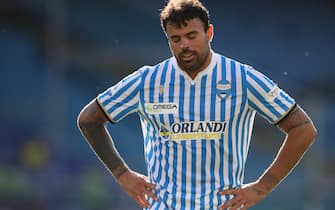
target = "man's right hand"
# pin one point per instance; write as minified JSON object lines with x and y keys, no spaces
{"x":138,"y":187}
{"x":92,"y":121}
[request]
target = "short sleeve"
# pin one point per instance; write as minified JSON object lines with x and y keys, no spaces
{"x":266,"y":98}
{"x":121,"y":99}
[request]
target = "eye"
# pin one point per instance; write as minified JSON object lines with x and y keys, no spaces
{"x":191,"y":36}
{"x":175,"y":39}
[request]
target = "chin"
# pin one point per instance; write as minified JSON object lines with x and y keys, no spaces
{"x":188,"y":67}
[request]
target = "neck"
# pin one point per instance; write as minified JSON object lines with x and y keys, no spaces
{"x":193,"y":74}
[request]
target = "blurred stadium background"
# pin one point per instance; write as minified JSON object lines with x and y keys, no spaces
{"x":55,"y":56}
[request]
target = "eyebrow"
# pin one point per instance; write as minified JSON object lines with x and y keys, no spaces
{"x":187,"y":34}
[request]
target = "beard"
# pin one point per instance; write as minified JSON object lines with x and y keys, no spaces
{"x":192,"y":61}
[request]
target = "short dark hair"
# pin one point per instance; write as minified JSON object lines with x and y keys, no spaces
{"x":177,"y":12}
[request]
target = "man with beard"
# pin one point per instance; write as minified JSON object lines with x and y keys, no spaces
{"x":197,"y":110}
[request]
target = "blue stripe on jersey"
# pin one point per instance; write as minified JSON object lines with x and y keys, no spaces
{"x":151,"y":100}
{"x":182,"y":98}
{"x":240,"y":144}
{"x":281,"y":104}
{"x":144,"y":76}
{"x":288,"y":99}
{"x":147,"y":141}
{"x":244,"y":133}
{"x":193,"y":148}
{"x":222,"y":119}
{"x":163,"y":78}
{"x":167,"y":151}
{"x":212,"y":143}
{"x":146,"y":138}
{"x":152,"y":84}
{"x":203,"y":143}
{"x":213,"y":94}
{"x":152,"y":93}
{"x":174,"y":150}
{"x":191,"y":105}
{"x":171,"y":89}
{"x":184,"y":152}
{"x":161,"y":118}
{"x":232,"y":113}
{"x":203,"y":97}
{"x":104,"y":94}
{"x":245,"y":136}
{"x":174,"y":176}
{"x":147,"y":130}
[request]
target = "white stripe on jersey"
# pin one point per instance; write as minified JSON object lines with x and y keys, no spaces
{"x":193,"y":152}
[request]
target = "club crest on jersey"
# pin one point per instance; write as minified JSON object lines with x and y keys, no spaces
{"x":223,"y":89}
{"x":161,"y":108}
{"x":193,"y":130}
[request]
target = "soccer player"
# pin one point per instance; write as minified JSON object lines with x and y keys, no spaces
{"x":197,"y":110}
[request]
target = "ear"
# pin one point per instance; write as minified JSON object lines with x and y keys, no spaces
{"x":210,"y":32}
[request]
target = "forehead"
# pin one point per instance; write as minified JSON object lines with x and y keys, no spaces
{"x":194,"y":24}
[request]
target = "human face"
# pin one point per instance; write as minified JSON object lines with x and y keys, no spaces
{"x":190,"y":44}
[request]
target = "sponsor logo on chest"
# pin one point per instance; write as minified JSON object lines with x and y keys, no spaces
{"x":193,"y":130}
{"x":161,"y":108}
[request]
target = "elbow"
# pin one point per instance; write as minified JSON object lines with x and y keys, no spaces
{"x":306,"y":134}
{"x":314,"y":133}
{"x":91,"y":115}
{"x":310,"y":133}
{"x":83,"y":119}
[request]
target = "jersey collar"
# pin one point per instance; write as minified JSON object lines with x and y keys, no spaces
{"x":209,"y":68}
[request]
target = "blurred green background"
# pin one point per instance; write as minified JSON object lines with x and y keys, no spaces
{"x":57,"y":55}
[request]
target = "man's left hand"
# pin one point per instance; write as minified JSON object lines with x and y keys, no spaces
{"x":244,"y":197}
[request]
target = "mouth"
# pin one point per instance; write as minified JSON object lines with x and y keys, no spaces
{"x":187,"y":57}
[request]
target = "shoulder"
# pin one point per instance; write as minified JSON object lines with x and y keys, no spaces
{"x":234,"y":64}
{"x":147,"y":69}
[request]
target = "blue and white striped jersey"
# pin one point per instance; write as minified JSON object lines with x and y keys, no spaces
{"x":196,"y":132}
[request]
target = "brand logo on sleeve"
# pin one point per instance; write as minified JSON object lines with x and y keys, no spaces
{"x":273,"y":93}
{"x":161,"y":108}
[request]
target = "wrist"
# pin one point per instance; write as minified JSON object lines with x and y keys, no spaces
{"x":119,"y":171}
{"x":267,"y":183}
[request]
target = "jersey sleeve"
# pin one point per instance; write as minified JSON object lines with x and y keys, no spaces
{"x":266,"y":98}
{"x":121,"y":99}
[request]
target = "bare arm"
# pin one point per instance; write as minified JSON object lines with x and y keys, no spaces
{"x":92,"y":124}
{"x":300,"y":134}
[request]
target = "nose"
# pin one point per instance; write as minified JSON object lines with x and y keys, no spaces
{"x":184,"y":43}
